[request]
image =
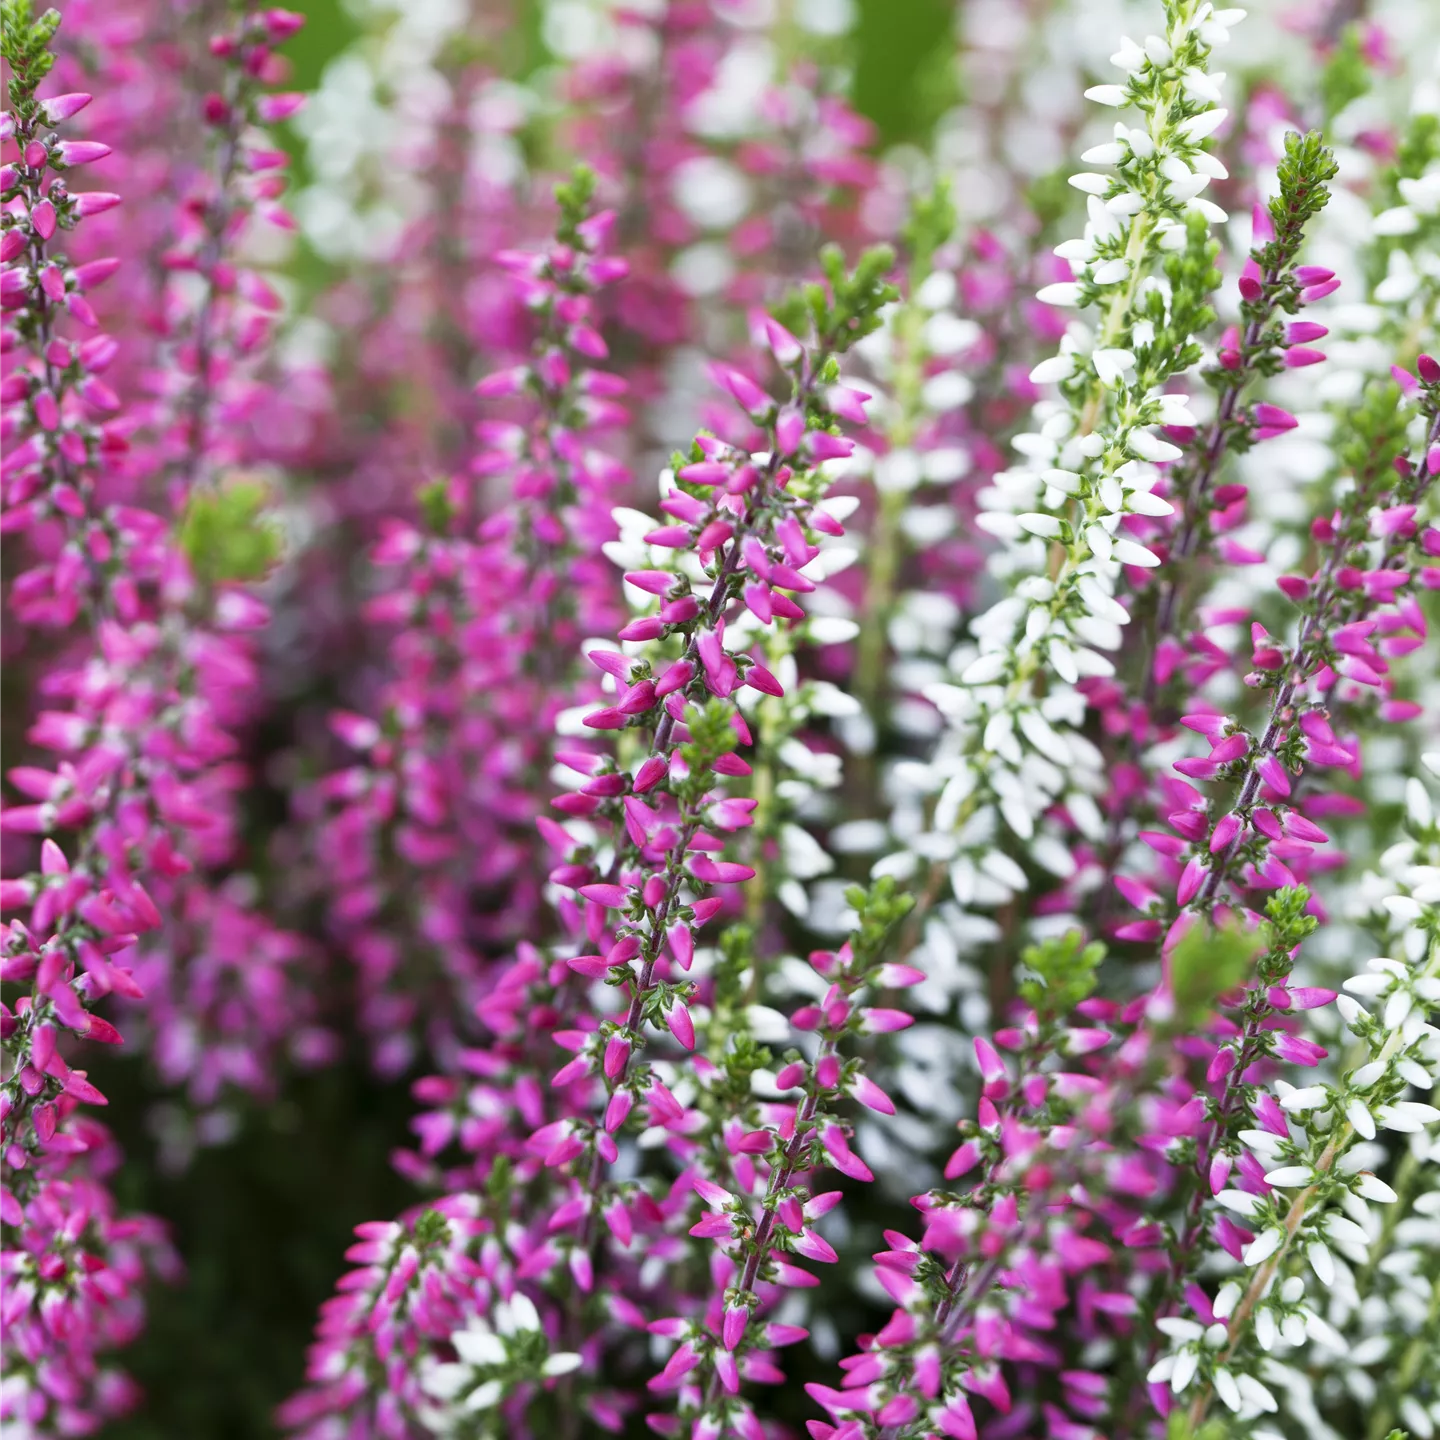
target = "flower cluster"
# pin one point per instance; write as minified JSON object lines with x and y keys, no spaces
{"x":984,"y":774}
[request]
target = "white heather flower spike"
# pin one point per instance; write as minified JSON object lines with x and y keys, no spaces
{"x":1059,"y":514}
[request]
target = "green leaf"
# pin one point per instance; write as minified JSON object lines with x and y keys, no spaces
{"x":1059,"y":973}
{"x":1346,"y":76}
{"x":226,"y":534}
{"x":1208,"y":961}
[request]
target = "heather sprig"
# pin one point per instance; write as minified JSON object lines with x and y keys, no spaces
{"x":946,"y":1338}
{"x":1272,"y":285}
{"x":232,"y":315}
{"x":748,"y":534}
{"x":1065,"y":515}
{"x":1316,"y":1179}
{"x":763,"y":1204}
{"x":1369,"y":546}
{"x":482,"y":634}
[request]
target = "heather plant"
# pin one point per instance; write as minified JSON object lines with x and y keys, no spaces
{"x":842,"y":707}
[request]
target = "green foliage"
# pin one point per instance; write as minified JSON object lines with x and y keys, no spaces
{"x":1287,"y":922}
{"x":25,"y":45}
{"x":906,"y":75}
{"x":1346,"y":76}
{"x":1209,"y":961}
{"x":1050,"y":196}
{"x":932,"y":222}
{"x":574,"y":197}
{"x":737,"y":943}
{"x":1179,"y":1428}
{"x":878,"y":910}
{"x":1374,"y":437}
{"x":431,"y":1229}
{"x":711,"y":736}
{"x":847,"y":308}
{"x":1419,"y":145}
{"x":226,"y":534}
{"x":1193,"y":277}
{"x":1305,"y":172}
{"x":436,"y":507}
{"x":1059,"y":973}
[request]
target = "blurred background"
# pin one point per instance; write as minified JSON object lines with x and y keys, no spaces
{"x":263,"y":1220}
{"x":986,"y":91}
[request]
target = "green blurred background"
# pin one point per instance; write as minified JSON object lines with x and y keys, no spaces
{"x":263,"y":1221}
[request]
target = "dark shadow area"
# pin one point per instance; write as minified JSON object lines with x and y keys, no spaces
{"x":262,"y":1224}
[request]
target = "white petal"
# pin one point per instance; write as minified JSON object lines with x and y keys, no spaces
{"x":1064,"y":293}
{"x":1263,"y":1246}
{"x":1200,"y":127}
{"x":1289,"y":1177}
{"x":1057,"y":367}
{"x":1371,"y":1187}
{"x":1321,"y":1261}
{"x":986,"y":669}
{"x":1045,"y":526}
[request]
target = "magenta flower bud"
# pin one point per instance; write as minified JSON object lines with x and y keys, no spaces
{"x":1140,"y":895}
{"x":847,"y":403}
{"x":759,"y":678}
{"x":650,"y":773}
{"x":827,"y":1072}
{"x":1231,"y":747}
{"x":1312,"y":293}
{"x":675,"y":678}
{"x":1221,"y":1065}
{"x":1301,"y":332}
{"x":823,"y":446}
{"x":1272,"y":417}
{"x":503,"y":382}
{"x":745,"y":391}
{"x":790,"y":1076}
{"x":80,"y":152}
{"x":595,"y":967}
{"x":682,"y":1027}
{"x":704,"y":472}
{"x":1298,"y":356}
{"x":869,"y":1094}
{"x":613,"y":897}
{"x":282,"y":24}
{"x":789,"y":431}
{"x":59,"y":108}
{"x":1428,"y":368}
{"x":992,"y":1068}
{"x":716,"y":533}
{"x":1272,"y":772}
{"x":737,"y":1317}
{"x":1226,"y":829}
{"x":1190,"y":881}
{"x":1405,"y":380}
{"x":880,"y":1021}
{"x":272,"y":109}
{"x":617,"y":1053}
{"x":42,"y":217}
{"x":618,"y":1110}
{"x":783,"y":345}
{"x":814,"y":1247}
